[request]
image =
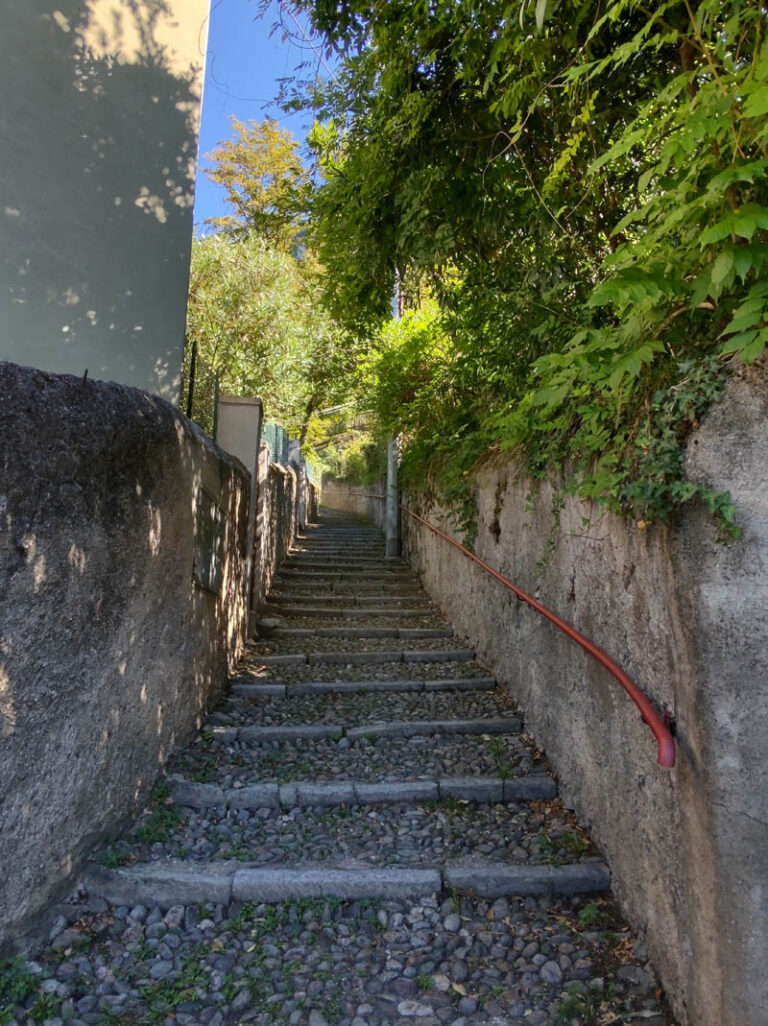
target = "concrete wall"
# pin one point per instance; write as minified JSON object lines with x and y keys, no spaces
{"x":361,"y":499}
{"x":109,"y":649}
{"x":99,"y":139}
{"x":687,"y":617}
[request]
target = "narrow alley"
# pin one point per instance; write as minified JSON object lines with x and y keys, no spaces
{"x":361,"y":834}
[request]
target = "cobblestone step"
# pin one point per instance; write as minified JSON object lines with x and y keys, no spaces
{"x":341,"y":613}
{"x":385,"y":728}
{"x":347,"y":687}
{"x":405,"y":633}
{"x":369,"y":656}
{"x":361,"y":835}
{"x":346,"y":601}
{"x":191,"y":794}
{"x":176,"y":883}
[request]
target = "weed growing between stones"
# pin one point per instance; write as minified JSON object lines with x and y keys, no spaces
{"x":16,"y":985}
{"x":560,"y":847}
{"x":583,"y":1006}
{"x":499,"y":751}
{"x":162,"y":819}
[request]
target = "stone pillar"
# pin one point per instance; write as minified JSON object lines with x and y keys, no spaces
{"x":239,"y":421}
{"x":393,"y":503}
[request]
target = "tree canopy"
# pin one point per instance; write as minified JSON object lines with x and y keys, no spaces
{"x":266,"y":182}
{"x":255,"y":310}
{"x":581,"y":187}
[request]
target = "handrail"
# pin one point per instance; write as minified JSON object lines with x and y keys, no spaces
{"x":664,"y":739}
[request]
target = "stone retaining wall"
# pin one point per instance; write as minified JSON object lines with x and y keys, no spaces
{"x":366,"y":500}
{"x":110,"y":648}
{"x":687,"y":617}
{"x":276,"y":521}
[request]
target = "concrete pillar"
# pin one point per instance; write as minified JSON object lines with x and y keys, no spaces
{"x":239,"y":421}
{"x":393,"y":502}
{"x":296,"y":460}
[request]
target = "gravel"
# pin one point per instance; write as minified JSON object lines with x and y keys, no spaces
{"x":363,"y":708}
{"x":456,"y":961}
{"x":415,"y":758}
{"x":447,"y":959}
{"x":251,"y":672}
{"x":422,"y":834}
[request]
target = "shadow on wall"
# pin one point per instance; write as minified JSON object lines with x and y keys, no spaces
{"x":99,"y":136}
{"x":109,"y":649}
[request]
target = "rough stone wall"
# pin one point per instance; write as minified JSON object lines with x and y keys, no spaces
{"x":276,"y":521}
{"x":313,"y":502}
{"x":367,"y":501}
{"x":687,"y":617}
{"x":109,"y":650}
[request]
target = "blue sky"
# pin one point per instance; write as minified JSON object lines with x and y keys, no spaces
{"x":243,"y":64}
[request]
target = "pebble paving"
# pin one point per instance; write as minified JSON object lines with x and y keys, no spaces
{"x":369,"y":759}
{"x":367,"y":707}
{"x":446,"y":958}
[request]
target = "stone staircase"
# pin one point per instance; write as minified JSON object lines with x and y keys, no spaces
{"x":362,"y":833}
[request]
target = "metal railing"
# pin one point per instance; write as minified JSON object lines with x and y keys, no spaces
{"x":199,"y":390}
{"x":660,"y":729}
{"x":277,"y":439}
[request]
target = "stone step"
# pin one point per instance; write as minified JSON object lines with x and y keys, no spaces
{"x":361,"y":632}
{"x":341,"y":613}
{"x":372,"y":657}
{"x":172,"y":883}
{"x":312,"y":573}
{"x":349,"y":586}
{"x":299,"y":598}
{"x":383,"y":728}
{"x":277,"y":690}
{"x":328,"y":551}
{"x":307,"y":794}
{"x":349,"y":560}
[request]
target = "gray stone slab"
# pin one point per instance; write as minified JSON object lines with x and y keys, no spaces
{"x":315,"y":731}
{"x":362,"y":611}
{"x":413,"y":728}
{"x":294,"y":659}
{"x":292,"y":632}
{"x":461,"y":684}
{"x":312,"y":575}
{"x":356,"y":658}
{"x":396,"y":791}
{"x":224,"y":734}
{"x":351,"y":687}
{"x":496,"y":879}
{"x":496,"y":725}
{"x":163,"y":884}
{"x":254,"y":796}
{"x":425,"y":632}
{"x":357,"y":632}
{"x":321,"y":612}
{"x":258,"y":690}
{"x":456,"y":655}
{"x":474,"y":789}
{"x":325,"y":794}
{"x":530,"y":788}
{"x":197,"y":796}
{"x":346,"y":884}
{"x":288,"y":795}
